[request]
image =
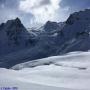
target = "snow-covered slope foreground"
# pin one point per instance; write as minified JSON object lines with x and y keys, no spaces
{"x":79,"y":60}
{"x":67,"y":72}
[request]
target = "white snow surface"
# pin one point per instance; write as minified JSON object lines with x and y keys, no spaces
{"x":67,"y":72}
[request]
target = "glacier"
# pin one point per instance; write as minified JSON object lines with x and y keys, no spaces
{"x":67,"y":72}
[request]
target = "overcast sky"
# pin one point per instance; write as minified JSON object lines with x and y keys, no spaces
{"x":40,"y":11}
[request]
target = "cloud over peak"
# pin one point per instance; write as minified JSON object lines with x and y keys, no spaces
{"x":42,"y":10}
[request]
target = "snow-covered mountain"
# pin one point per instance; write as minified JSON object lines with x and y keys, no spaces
{"x":77,"y":31}
{"x":19,"y":45}
{"x":13,"y":36}
{"x":72,"y":35}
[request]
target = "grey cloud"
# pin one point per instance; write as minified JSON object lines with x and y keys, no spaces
{"x":45,"y":2}
{"x":42,"y":3}
{"x":75,"y":5}
{"x":10,"y":3}
{"x":10,"y":10}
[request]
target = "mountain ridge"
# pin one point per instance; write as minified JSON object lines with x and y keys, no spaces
{"x":52,"y":39}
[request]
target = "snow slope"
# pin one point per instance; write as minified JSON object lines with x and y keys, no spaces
{"x":73,"y":59}
{"x":67,"y":72}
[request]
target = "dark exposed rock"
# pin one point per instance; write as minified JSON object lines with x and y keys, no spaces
{"x":50,"y":26}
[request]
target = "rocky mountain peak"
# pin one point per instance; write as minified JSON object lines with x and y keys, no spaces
{"x":14,"y":33}
{"x":50,"y":26}
{"x":81,"y":16}
{"x":17,"y":20}
{"x":14,"y":23}
{"x":1,"y":26}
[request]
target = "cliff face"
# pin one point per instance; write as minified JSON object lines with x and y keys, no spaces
{"x":77,"y":31}
{"x":13,"y":36}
